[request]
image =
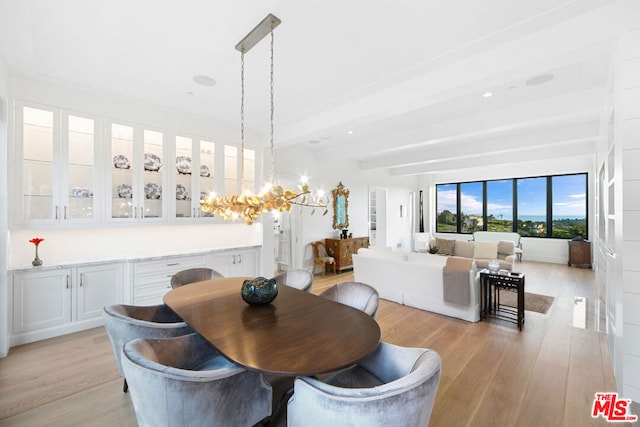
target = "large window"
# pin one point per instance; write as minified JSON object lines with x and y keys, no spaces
{"x":447,"y":208}
{"x":569,"y":206}
{"x":548,"y":206}
{"x":500,"y":205}
{"x":471,"y":218}
{"x":532,"y":207}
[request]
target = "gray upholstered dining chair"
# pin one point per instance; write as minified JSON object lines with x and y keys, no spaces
{"x":127,"y":322}
{"x":299,"y":279}
{"x":393,"y":386}
{"x":185,"y":381}
{"x":191,"y":275}
{"x":355,"y":294}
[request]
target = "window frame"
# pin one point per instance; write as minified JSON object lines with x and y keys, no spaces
{"x":514,"y":208}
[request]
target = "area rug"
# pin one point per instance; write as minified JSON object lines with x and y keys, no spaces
{"x":532,"y":302}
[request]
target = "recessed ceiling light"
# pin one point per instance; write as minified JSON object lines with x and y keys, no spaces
{"x":538,"y":80}
{"x":487,"y":95}
{"x":313,"y":141}
{"x":204,"y":80}
{"x":350,"y":132}
{"x":190,"y":93}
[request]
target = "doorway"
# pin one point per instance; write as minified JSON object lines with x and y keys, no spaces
{"x":378,"y":216}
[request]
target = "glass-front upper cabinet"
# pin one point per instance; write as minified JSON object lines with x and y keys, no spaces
{"x":137,"y":173}
{"x":233,"y":183}
{"x":57,"y":151}
{"x":195,"y":167}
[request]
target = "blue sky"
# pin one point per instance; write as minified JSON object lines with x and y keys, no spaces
{"x":569,"y":197}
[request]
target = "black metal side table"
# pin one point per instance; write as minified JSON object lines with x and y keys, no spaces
{"x":490,"y":285}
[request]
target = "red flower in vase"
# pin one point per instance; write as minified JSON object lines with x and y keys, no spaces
{"x":36,"y":240}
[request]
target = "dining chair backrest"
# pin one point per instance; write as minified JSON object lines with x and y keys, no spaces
{"x":185,"y":381}
{"x":124,"y":323}
{"x":355,"y":294}
{"x":298,"y":278}
{"x":393,"y":386}
{"x":191,"y":275}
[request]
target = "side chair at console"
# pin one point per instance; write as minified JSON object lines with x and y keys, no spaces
{"x":321,"y":258}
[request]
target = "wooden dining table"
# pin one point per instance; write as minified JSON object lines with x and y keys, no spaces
{"x":296,"y":334}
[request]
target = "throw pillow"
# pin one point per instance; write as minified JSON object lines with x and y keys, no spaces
{"x":445,"y":247}
{"x":486,"y":250}
{"x":505,"y":247}
{"x":463,"y":249}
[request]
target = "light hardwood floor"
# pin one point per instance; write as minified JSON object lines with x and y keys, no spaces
{"x":492,"y":374}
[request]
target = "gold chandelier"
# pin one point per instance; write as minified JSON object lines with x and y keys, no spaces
{"x":273,"y":198}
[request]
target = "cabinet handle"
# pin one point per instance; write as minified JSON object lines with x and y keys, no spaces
{"x":239,"y":259}
{"x":56,"y":211}
{"x":171,"y":264}
{"x":68,"y":281}
{"x":234,"y":259}
{"x":81,"y":279}
{"x":135,"y":212}
{"x":142,"y":212}
{"x":65,"y":212}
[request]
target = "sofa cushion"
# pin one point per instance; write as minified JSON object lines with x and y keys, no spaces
{"x":445,"y":247}
{"x":485,"y":250}
{"x":463,"y":249}
{"x":505,"y":247}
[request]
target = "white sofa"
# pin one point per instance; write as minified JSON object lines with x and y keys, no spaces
{"x":415,"y":280}
{"x":496,"y":236}
{"x":504,"y":249}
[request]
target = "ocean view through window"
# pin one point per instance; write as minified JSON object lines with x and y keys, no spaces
{"x":548,"y":206}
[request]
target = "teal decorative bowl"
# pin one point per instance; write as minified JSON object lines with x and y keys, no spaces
{"x":259,"y":291}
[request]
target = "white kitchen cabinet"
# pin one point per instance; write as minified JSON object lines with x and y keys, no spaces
{"x":48,"y":303}
{"x":195,"y":175}
{"x":152,"y":279}
{"x":137,"y":180}
{"x":236,"y":262}
{"x":58,"y":179}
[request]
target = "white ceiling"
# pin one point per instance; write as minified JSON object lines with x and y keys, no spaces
{"x":406,"y":77}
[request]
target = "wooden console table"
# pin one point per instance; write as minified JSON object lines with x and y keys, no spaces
{"x":342,"y":249}
{"x":579,"y":253}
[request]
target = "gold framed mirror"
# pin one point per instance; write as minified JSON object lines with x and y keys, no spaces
{"x":340,"y":207}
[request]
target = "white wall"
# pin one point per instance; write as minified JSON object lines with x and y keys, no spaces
{"x":4,"y":214}
{"x":539,"y":250}
{"x":627,"y":103}
{"x":292,"y":162}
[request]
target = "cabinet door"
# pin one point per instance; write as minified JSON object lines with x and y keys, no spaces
{"x":57,"y":150}
{"x":223,"y":262}
{"x":186,"y":169}
{"x":137,"y":173}
{"x":246,"y":263}
{"x":234,"y":263}
{"x":97,"y":286}
{"x":79,"y":160}
{"x":41,"y":300}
